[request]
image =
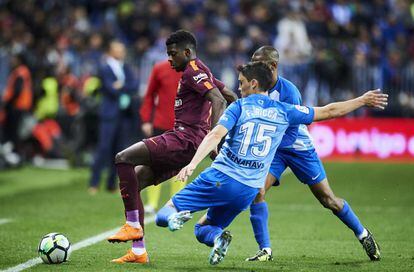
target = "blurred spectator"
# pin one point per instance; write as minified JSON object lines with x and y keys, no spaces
{"x":116,"y":115}
{"x":157,"y":110}
{"x":47,"y":131}
{"x":17,"y":102}
{"x":292,"y":41}
{"x":295,"y":50}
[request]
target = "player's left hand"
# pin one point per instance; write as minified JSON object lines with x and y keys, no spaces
{"x":186,"y":172}
{"x":375,"y":99}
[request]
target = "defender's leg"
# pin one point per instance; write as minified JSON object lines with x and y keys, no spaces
{"x":259,"y":216}
{"x":323,"y":192}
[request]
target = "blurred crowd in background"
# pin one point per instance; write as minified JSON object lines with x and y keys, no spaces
{"x":331,"y":49}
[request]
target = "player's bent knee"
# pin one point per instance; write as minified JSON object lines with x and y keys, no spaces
{"x":136,"y":154}
{"x":121,"y":157}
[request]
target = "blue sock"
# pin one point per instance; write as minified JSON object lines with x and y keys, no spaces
{"x":350,"y":219}
{"x":162,"y":215}
{"x":258,"y":216}
{"x":207,"y":233}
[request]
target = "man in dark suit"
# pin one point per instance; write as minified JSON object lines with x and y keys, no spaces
{"x":116,"y":113}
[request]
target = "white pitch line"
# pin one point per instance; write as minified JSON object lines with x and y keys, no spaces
{"x":5,"y":221}
{"x":84,"y":243}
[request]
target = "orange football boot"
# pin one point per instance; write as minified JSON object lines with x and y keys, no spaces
{"x":127,"y":233}
{"x":130,"y":257}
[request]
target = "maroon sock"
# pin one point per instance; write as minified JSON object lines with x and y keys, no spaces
{"x":128,"y":185}
{"x":141,"y":211}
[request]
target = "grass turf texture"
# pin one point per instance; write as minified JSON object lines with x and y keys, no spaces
{"x":305,"y":237}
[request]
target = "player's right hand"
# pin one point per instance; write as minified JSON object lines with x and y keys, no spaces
{"x":186,"y":172}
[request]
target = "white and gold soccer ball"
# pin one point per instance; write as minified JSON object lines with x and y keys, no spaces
{"x":54,"y":248}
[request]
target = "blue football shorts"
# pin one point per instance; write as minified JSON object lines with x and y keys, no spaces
{"x":305,"y":165}
{"x":223,"y":196}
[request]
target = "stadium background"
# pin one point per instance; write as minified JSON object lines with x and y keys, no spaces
{"x":331,"y":49}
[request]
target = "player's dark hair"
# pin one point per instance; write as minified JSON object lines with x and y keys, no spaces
{"x":182,"y":38}
{"x":260,"y":71}
{"x":269,"y":52}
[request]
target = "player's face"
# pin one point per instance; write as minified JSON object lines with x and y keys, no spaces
{"x":177,"y":57}
{"x":245,"y":86}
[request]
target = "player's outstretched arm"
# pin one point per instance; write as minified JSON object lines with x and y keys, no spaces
{"x":209,"y":143}
{"x":373,"y":98}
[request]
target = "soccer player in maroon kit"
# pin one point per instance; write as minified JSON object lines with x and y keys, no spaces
{"x":200,"y":101}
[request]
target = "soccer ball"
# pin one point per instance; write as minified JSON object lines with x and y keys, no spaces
{"x":54,"y":248}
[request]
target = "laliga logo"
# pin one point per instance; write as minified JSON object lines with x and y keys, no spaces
{"x":368,"y":141}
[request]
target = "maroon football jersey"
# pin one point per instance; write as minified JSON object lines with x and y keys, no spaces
{"x":192,"y":109}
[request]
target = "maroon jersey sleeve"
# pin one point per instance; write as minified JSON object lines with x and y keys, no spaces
{"x":198,"y":79}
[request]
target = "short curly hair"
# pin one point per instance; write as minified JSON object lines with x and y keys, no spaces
{"x":182,"y":38}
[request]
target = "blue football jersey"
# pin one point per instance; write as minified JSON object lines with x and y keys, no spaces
{"x":297,"y":137}
{"x":256,"y":126}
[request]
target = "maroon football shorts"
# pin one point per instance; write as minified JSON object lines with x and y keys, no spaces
{"x":170,"y":152}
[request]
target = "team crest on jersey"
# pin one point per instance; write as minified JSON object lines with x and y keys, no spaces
{"x":178,"y":102}
{"x":200,"y":77}
{"x":302,"y":109}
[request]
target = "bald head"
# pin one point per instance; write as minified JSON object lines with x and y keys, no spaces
{"x":267,"y":54}
{"x":270,"y":56}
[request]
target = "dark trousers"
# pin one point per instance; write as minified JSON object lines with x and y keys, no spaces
{"x":114,"y":136}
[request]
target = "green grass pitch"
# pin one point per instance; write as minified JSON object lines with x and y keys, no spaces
{"x":305,"y":237}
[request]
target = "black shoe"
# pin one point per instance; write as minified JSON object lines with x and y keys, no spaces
{"x":261,"y":256}
{"x":371,"y":247}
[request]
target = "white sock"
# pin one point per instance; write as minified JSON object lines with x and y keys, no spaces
{"x":133,"y":224}
{"x":139,"y":250}
{"x":363,"y":234}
